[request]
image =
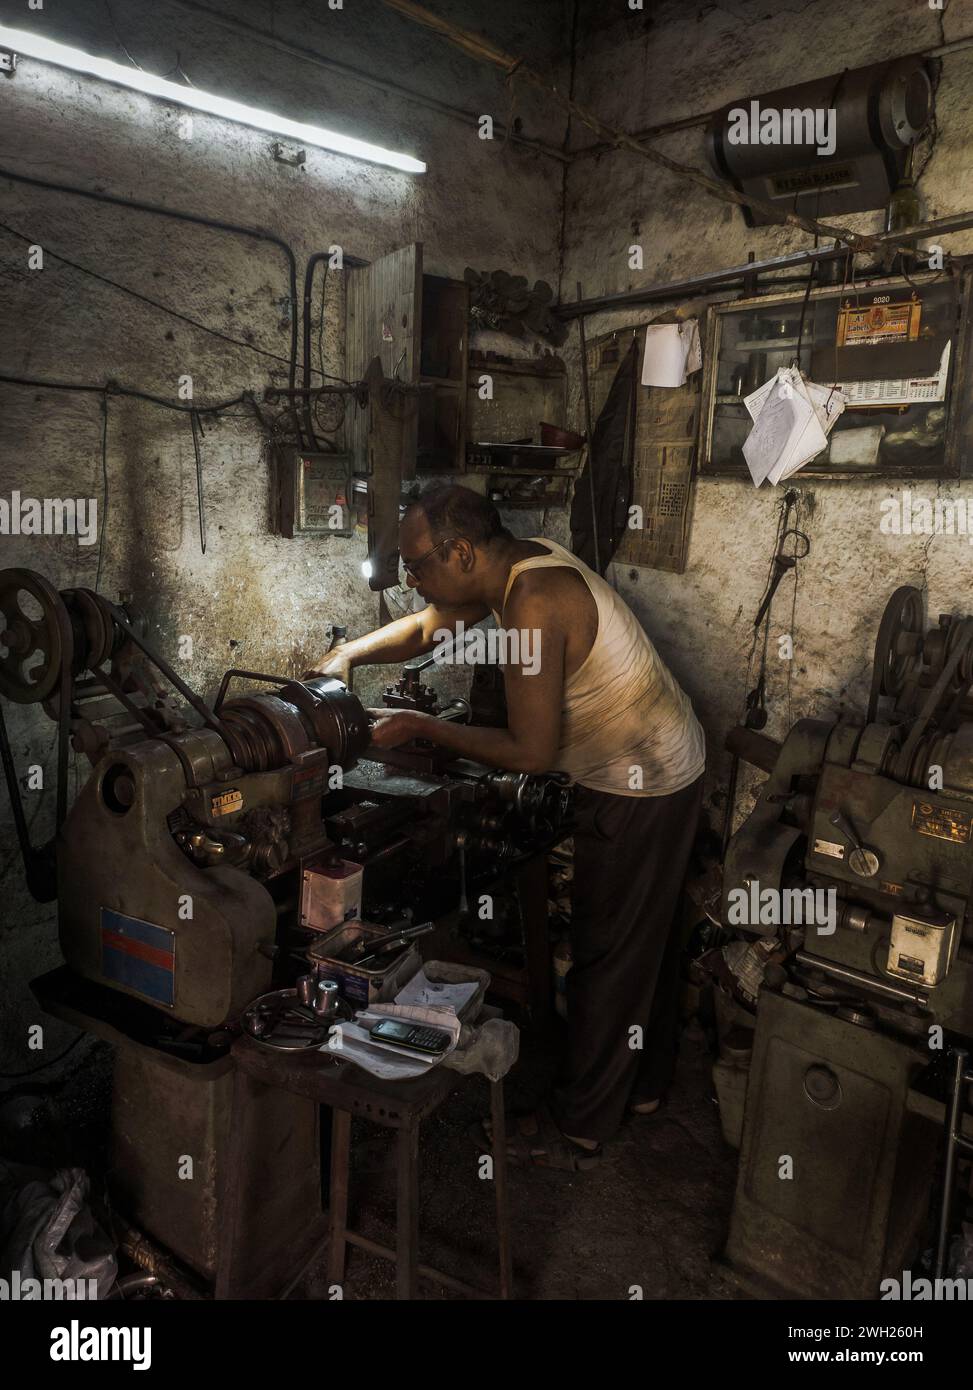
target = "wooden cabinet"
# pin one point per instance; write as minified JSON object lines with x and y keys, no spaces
{"x":416,"y":324}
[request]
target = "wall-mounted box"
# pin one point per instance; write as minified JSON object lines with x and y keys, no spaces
{"x":312,"y":493}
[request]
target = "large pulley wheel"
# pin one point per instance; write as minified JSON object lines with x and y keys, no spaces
{"x":898,"y":647}
{"x":35,"y":633}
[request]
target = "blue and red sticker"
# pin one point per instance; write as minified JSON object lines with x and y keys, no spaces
{"x":138,"y":955}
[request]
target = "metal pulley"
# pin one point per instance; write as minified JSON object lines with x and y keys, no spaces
{"x":38,"y":625}
{"x":898,"y":646}
{"x":36,"y":631}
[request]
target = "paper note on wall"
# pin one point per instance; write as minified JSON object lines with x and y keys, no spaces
{"x":672,"y":352}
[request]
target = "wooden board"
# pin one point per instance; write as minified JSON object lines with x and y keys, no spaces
{"x":384,"y":320}
{"x":664,"y":457}
{"x":663,"y":481}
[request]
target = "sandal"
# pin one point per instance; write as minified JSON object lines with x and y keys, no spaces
{"x":641,"y":1115}
{"x":535,"y":1141}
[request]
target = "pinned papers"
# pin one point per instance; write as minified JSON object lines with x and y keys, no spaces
{"x":672,"y":353}
{"x":792,"y":420}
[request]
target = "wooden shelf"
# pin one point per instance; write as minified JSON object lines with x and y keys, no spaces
{"x":555,"y":368}
{"x":498,"y":472}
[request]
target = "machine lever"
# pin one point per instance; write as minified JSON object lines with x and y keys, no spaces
{"x":841,"y":822}
{"x":863,"y":862}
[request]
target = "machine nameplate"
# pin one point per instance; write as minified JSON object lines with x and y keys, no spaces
{"x":225,"y":803}
{"x":138,"y":955}
{"x":942,"y":822}
{"x":836,"y":851}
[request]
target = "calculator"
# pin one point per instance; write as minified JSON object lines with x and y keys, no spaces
{"x":416,"y":1036}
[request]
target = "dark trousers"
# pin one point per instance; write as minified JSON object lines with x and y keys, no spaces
{"x":630,"y":859}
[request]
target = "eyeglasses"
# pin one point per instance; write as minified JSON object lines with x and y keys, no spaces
{"x":412,"y":567}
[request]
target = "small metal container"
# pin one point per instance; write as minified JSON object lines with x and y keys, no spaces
{"x":326,"y":999}
{"x":306,"y":985}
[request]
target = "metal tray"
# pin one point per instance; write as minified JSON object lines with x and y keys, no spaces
{"x":281,"y":1001}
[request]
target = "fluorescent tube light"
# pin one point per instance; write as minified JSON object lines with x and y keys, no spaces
{"x":33,"y":46}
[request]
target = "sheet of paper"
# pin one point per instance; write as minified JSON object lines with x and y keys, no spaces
{"x":422,"y":991}
{"x":672,"y":352}
{"x":802,"y":414}
{"x":859,"y":446}
{"x":786,"y":434}
{"x":350,"y":1042}
{"x":353,"y":1043}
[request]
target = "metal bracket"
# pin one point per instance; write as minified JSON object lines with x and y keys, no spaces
{"x":281,"y":156}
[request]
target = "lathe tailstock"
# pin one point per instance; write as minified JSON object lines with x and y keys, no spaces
{"x":854,"y":868}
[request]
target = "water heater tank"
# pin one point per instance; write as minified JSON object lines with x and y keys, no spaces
{"x":836,"y":144}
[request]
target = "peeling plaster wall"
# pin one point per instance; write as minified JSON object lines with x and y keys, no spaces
{"x":689,"y":59}
{"x":253,"y":599}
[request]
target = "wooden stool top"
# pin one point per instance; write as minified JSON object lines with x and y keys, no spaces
{"x":327,"y":1079}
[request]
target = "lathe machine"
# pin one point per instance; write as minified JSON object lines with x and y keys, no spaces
{"x":178,"y":870}
{"x":871,"y":821}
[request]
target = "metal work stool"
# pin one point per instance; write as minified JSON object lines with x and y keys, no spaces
{"x":400,"y":1105}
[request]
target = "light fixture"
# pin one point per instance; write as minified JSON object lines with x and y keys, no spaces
{"x":366,"y":569}
{"x":21,"y":41}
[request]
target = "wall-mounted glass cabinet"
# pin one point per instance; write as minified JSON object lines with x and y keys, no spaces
{"x":899,"y":349}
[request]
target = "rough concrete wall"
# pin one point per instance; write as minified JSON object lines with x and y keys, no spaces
{"x":688,"y":59}
{"x":253,"y":599}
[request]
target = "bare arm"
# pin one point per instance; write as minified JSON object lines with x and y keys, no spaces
{"x":398,"y":641}
{"x":531,"y":739}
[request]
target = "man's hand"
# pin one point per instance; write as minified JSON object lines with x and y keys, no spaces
{"x":336,"y":665}
{"x":391,"y":727}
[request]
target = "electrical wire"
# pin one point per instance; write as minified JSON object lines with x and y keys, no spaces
{"x":112,"y":388}
{"x":104,"y":492}
{"x":196,"y":220}
{"x":147,"y":299}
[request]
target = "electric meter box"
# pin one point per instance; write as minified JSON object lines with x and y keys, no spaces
{"x":313,"y":494}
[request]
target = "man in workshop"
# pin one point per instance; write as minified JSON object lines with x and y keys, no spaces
{"x":601,"y":706}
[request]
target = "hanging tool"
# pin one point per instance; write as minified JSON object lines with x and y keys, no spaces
{"x":755,"y":716}
{"x":782,"y":565}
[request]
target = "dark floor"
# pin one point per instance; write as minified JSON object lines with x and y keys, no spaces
{"x":654,"y":1214}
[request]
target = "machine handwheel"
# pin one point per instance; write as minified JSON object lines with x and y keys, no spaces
{"x":33,"y":620}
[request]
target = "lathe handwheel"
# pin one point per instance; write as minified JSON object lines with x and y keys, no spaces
{"x":33,"y":620}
